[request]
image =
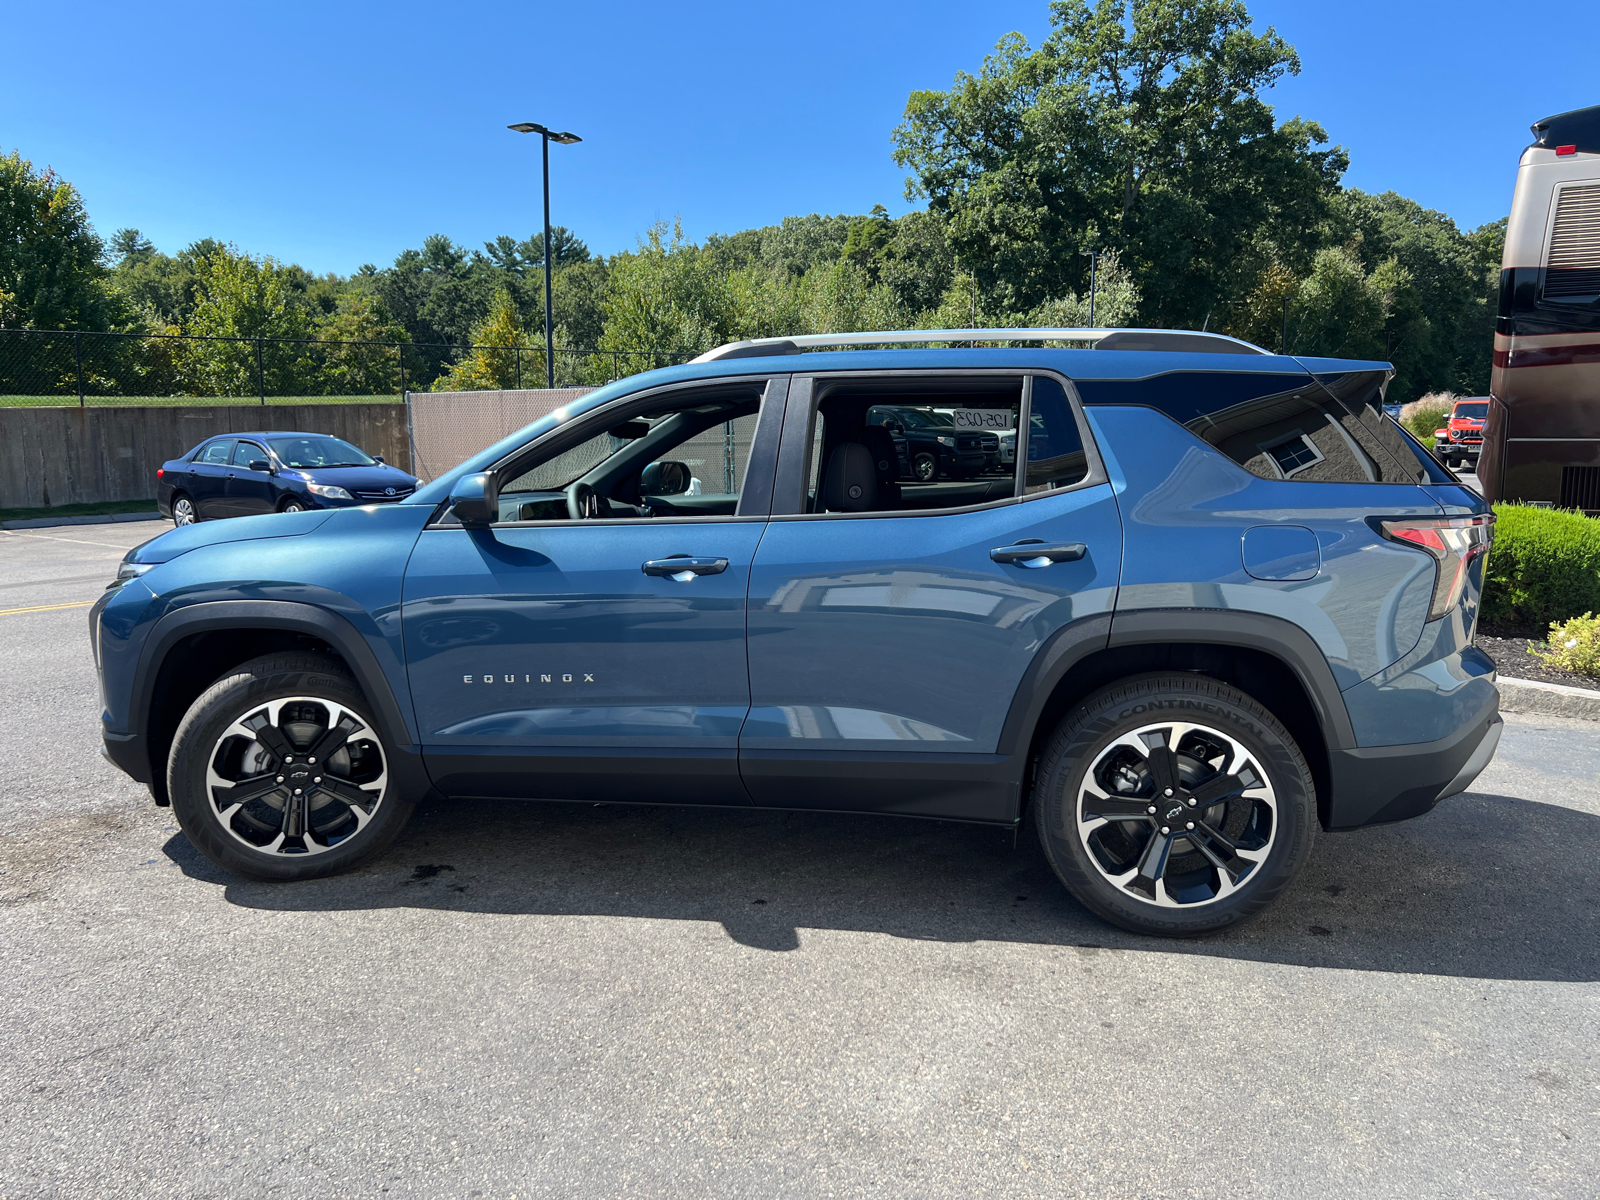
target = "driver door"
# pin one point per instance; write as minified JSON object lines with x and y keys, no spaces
{"x":600,"y":657}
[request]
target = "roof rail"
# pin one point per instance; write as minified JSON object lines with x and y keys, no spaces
{"x":1103,"y":339}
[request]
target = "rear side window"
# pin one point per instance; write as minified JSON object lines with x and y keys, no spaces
{"x":1055,"y":445}
{"x":216,"y":452}
{"x":1313,"y":429}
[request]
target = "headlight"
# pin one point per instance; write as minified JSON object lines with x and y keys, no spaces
{"x":947,"y":441}
{"x":328,"y":492}
{"x":127,"y":571}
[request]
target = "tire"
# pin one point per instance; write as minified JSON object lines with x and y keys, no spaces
{"x":293,"y":506}
{"x":925,"y":466}
{"x":262,"y":831}
{"x":1253,"y":839}
{"x":183,"y":511}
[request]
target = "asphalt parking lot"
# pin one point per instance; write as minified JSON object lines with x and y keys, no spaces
{"x":550,"y":1000}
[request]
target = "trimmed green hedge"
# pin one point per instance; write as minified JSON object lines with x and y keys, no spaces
{"x":1544,"y":567}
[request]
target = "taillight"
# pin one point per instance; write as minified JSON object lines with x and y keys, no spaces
{"x":160,"y":471}
{"x":1454,"y":542}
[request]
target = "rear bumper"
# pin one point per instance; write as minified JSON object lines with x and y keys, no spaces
{"x":1394,"y":783}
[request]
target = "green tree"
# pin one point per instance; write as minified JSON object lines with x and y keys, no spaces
{"x":353,"y":358}
{"x":51,"y":273}
{"x":502,"y":355}
{"x":241,"y":299}
{"x":666,"y":302}
{"x":1138,"y":125}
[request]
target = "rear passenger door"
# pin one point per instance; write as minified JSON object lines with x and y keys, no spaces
{"x":208,"y":479}
{"x":892,"y":618}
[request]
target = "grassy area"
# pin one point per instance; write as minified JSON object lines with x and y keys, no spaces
{"x":185,"y":401}
{"x":109,"y":508}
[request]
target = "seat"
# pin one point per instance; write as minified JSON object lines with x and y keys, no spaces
{"x":885,"y":457}
{"x":850,"y":483}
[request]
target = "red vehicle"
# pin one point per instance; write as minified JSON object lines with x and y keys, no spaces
{"x":1542,"y":440}
{"x":1461,"y":440}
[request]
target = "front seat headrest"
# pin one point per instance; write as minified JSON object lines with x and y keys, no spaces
{"x":851,"y":481}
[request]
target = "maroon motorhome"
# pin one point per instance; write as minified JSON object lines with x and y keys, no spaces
{"x":1542,"y":441}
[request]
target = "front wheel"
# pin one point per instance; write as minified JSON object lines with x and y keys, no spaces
{"x":1173,"y":804}
{"x":925,"y":467}
{"x":278,"y":771}
{"x":293,"y":506}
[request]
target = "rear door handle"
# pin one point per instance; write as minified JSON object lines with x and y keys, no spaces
{"x":684,"y":567}
{"x":1036,"y":553}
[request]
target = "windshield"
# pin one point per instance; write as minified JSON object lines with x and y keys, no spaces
{"x":1476,"y":411}
{"x":319,"y":451}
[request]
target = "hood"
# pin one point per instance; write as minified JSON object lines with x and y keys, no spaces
{"x":368,"y":479}
{"x":211,"y":533}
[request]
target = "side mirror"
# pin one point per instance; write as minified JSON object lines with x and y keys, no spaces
{"x":377,"y":458}
{"x":260,"y":464}
{"x":665,"y":478}
{"x":475,"y":499}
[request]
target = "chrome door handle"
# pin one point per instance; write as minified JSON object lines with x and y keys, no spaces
{"x":1034,"y":552}
{"x":684,"y":567}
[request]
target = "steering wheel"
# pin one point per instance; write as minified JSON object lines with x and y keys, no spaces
{"x":583,"y":502}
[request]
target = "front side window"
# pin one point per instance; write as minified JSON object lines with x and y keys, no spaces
{"x":316,"y":450}
{"x":215,"y":452}
{"x":686,"y":457}
{"x":245,"y":453}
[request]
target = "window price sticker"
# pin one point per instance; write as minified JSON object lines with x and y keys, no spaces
{"x":994,"y":419}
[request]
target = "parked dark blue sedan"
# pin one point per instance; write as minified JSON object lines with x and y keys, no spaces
{"x":245,"y":474}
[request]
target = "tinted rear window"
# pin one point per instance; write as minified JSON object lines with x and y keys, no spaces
{"x":1316,"y":429}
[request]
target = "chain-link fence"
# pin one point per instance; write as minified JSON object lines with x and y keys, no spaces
{"x":447,"y":428}
{"x":55,"y":368}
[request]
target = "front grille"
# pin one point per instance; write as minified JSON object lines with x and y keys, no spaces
{"x":382,"y":497}
{"x":1580,"y":488}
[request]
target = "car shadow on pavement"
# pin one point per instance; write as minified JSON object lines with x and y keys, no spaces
{"x":1485,"y":886}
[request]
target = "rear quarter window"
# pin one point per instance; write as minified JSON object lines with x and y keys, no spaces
{"x":1310,"y":429}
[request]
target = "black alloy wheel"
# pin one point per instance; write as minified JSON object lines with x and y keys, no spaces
{"x":1174,"y":804}
{"x":277,"y":772}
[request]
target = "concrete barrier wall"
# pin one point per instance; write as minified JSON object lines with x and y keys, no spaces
{"x":90,"y":455}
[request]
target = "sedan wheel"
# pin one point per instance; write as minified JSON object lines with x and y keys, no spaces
{"x":294,"y":506}
{"x":183,"y":512}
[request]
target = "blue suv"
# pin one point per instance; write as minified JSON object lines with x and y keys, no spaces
{"x":1220,"y":601}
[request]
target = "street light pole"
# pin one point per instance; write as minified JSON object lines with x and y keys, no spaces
{"x":566,"y":139}
{"x":1094,"y":265}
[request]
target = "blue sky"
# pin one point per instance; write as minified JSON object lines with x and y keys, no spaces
{"x":337,"y":134}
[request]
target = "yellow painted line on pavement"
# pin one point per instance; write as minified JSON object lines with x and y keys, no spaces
{"x":11,"y":612}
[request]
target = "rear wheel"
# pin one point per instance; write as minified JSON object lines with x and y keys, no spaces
{"x":278,"y":772}
{"x":1173,"y":804}
{"x":183,"y":512}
